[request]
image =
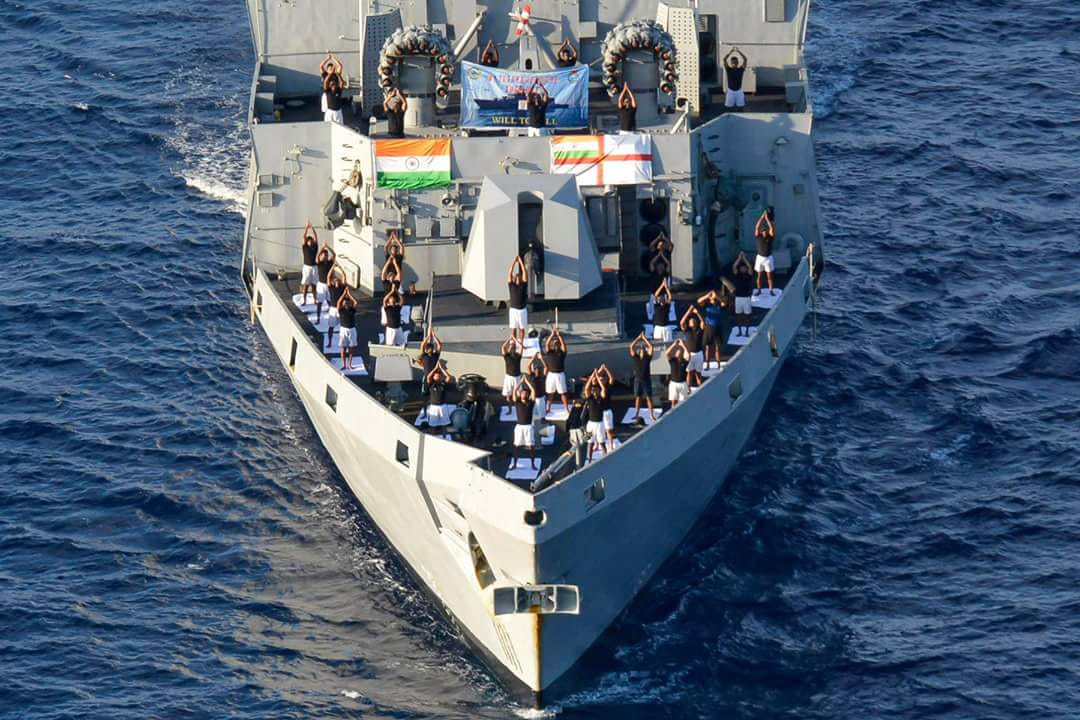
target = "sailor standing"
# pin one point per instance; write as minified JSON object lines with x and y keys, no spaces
{"x":309,"y":274}
{"x":735,"y":68}
{"x":335,"y":287}
{"x":511,"y":353}
{"x":430,"y":352}
{"x":594,"y":411}
{"x":392,"y":334}
{"x":518,"y":280}
{"x":555,"y":350}
{"x":691,"y":325}
{"x":641,"y":354}
{"x":347,"y":317}
{"x":536,"y":104}
{"x":606,"y":379}
{"x":438,"y":411}
{"x":627,"y":110}
{"x":663,"y":309}
{"x":765,"y":232}
{"x":524,"y":433}
{"x":714,"y":320}
{"x":324,"y":261}
{"x":537,"y":375}
{"x":679,"y":360}
{"x":744,"y":288}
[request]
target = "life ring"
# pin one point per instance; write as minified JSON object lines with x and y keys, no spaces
{"x":418,"y":41}
{"x":638,"y":35}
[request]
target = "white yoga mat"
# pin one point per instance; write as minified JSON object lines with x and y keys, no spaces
{"x":764,"y":300}
{"x":557,"y":411}
{"x":630,"y":417}
{"x":547,"y":435}
{"x":507,"y":414}
{"x":734,"y":339}
{"x":712,"y":369}
{"x":324,"y":322}
{"x":309,"y":306}
{"x":358,"y":366}
{"x":524,"y":469}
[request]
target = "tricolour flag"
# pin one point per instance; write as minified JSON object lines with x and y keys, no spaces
{"x":412,"y":164}
{"x":603,"y":159}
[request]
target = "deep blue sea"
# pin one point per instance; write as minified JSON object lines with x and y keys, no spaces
{"x":901,"y":541}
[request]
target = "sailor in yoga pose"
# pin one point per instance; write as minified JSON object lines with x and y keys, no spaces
{"x":641,"y":354}
{"x":428,"y":360}
{"x":438,"y":411}
{"x":555,"y":355}
{"x":517,"y":279}
{"x":391,"y":306}
{"x":627,"y":110}
{"x":335,"y":288}
{"x":714,"y":306}
{"x":734,"y":68}
{"x":595,"y":394}
{"x":693,"y":338}
{"x":679,"y":360}
{"x":511,"y":354}
{"x":743,"y":279}
{"x":347,"y":317}
{"x":309,"y":274}
{"x":765,"y":232}
{"x":524,"y":432}
{"x":323,"y":262}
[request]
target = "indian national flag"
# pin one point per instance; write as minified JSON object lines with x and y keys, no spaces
{"x":603,"y":159}
{"x":412,"y":163}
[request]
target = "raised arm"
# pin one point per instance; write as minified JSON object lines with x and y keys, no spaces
{"x":764,"y":220}
{"x":438,"y":343}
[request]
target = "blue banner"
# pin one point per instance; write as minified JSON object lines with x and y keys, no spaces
{"x":495,"y":98}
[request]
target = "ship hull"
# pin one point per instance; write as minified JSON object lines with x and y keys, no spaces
{"x":671,"y":473}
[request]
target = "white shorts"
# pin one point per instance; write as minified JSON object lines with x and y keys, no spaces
{"x":735,"y":98}
{"x":609,"y":420}
{"x":334,"y":116}
{"x":540,"y":409}
{"x":768,"y":264}
{"x":663,"y":333}
{"x":677,"y":392}
{"x":596,"y":429}
{"x":438,"y":415}
{"x":697,"y":362}
{"x":519,"y":319}
{"x":393,"y":336}
{"x":556,"y":383}
{"x":348,"y":337}
{"x":309,"y":275}
{"x":524,"y":436}
{"x":322,"y":293}
{"x":509,"y":385}
{"x":538,"y":132}
{"x":743,"y":306}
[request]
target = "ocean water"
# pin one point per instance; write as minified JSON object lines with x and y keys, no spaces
{"x":900,"y":541}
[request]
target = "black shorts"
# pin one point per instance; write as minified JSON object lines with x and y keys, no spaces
{"x":642,"y":386}
{"x":711,"y":336}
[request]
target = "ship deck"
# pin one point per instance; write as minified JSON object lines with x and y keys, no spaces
{"x":454,"y":303}
{"x":603,"y":115}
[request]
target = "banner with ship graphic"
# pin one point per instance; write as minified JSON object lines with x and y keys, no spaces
{"x":603,"y":159}
{"x":412,"y":164}
{"x":495,"y":98}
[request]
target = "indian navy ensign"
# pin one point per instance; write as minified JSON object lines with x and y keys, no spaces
{"x":412,"y":164}
{"x":603,"y":159}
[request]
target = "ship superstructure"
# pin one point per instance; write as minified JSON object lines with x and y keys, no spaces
{"x":532,"y":566}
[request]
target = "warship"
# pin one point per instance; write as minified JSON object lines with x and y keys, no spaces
{"x":532,"y":560}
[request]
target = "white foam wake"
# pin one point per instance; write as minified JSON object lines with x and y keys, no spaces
{"x":232,"y":197}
